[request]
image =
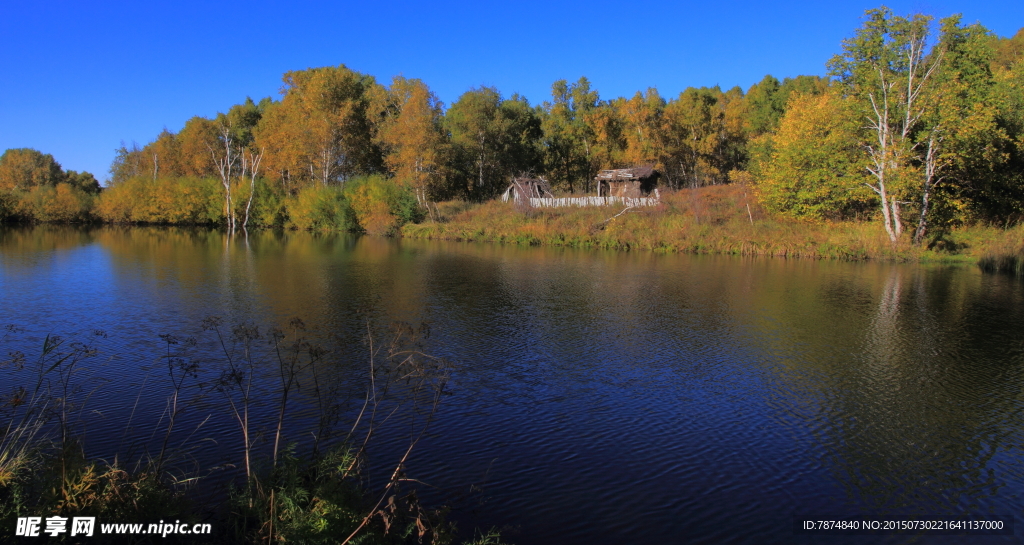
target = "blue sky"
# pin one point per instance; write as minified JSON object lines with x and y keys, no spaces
{"x":82,"y":78}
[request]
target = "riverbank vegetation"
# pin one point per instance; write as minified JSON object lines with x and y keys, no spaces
{"x":282,"y":482}
{"x":915,"y":132}
{"x":724,"y":219}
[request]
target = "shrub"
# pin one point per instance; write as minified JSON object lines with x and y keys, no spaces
{"x":320,"y":208}
{"x":268,"y":204}
{"x":8,"y":205}
{"x":62,"y":203}
{"x":185,"y":200}
{"x":381,"y":207}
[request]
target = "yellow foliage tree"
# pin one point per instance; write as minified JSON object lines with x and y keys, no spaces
{"x":641,"y":117}
{"x":817,"y":168}
{"x":319,"y":132}
{"x":411,"y":138}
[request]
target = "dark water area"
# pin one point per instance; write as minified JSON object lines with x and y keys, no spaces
{"x":599,"y":397}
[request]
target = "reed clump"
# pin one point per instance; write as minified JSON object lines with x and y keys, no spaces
{"x":724,"y":219}
{"x":285,"y":486}
{"x":1005,"y":254}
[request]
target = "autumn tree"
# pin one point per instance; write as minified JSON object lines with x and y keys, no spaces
{"x":607,"y":127}
{"x":693,"y":128}
{"x":1009,"y":51}
{"x":26,"y":168}
{"x":165,"y":155}
{"x":226,"y":155}
{"x":320,"y":131}
{"x":732,"y":149}
{"x":817,"y":166}
{"x":194,"y":142}
{"x":766,"y":100}
{"x":411,"y":137}
{"x":641,"y":119}
{"x":126,"y":164}
{"x":33,"y":186}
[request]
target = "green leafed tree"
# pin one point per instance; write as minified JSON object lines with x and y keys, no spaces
{"x":958,"y":142}
{"x":886,"y":69}
{"x":568,"y":138}
{"x":765,"y":106}
{"x":492,"y":140}
{"x":84,"y":181}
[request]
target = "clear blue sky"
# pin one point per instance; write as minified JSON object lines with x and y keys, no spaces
{"x":80,"y":78}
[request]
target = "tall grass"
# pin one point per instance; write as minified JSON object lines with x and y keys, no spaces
{"x":1006,"y":253}
{"x":287,"y":488}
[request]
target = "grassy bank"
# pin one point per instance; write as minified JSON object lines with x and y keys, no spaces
{"x":284,"y":483}
{"x":712,"y":220}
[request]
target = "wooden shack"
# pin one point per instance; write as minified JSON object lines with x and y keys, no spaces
{"x":627,"y":182}
{"x":527,"y":188}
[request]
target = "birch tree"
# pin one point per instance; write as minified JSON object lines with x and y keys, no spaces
{"x":887,"y":68}
{"x":225,"y":156}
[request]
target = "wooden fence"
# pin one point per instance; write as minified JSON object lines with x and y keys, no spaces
{"x":550,"y":202}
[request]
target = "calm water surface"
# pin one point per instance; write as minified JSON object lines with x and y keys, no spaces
{"x":600,"y":397}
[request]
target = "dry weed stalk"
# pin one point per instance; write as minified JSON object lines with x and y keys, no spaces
{"x":426,"y":378}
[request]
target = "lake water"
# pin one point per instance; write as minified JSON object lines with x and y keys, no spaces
{"x":599,"y":397}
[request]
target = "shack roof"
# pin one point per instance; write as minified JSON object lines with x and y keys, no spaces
{"x":622,"y":174}
{"x":527,"y":180}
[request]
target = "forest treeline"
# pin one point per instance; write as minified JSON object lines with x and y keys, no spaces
{"x":914,"y":127}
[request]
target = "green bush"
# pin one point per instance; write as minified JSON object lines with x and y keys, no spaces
{"x":320,"y":208}
{"x":268,"y":204}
